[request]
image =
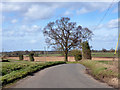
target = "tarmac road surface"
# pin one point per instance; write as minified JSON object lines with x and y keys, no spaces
{"x":60,"y":76}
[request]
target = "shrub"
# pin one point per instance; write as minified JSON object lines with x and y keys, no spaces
{"x":77,"y":54}
{"x":104,"y":50}
{"x":20,"y":57}
{"x":36,"y":55}
{"x":86,"y":52}
{"x":31,"y":56}
{"x":78,"y":57}
{"x":5,"y":60}
{"x":3,"y":57}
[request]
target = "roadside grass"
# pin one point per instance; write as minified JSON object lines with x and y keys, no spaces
{"x":12,"y":71}
{"x":13,"y":60}
{"x":98,"y":68}
{"x":105,"y":62}
{"x":102,"y":70}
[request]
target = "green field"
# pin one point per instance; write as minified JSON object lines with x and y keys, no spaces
{"x":48,"y":55}
{"x":94,"y":54}
{"x":15,"y":69}
{"x":104,"y":54}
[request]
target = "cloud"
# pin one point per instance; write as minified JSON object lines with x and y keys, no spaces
{"x":110,"y":25}
{"x":68,"y":13}
{"x":36,"y":11}
{"x":12,"y":34}
{"x":59,"y":1}
{"x":82,"y":11}
{"x":8,"y":7}
{"x":90,"y":7}
{"x":21,"y":31}
{"x":33,"y":41}
{"x":14,"y":21}
{"x":39,"y":12}
{"x":105,"y":36}
{"x":113,"y":23}
{"x":30,"y":29}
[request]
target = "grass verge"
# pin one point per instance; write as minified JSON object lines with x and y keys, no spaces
{"x":17,"y":70}
{"x":102,"y":71}
{"x":98,"y":69}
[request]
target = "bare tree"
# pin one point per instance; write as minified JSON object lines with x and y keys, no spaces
{"x":65,"y":35}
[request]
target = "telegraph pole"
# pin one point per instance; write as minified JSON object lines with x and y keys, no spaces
{"x":116,"y":47}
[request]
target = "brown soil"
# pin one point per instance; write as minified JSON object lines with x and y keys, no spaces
{"x":53,"y":58}
{"x":104,"y":58}
{"x":45,"y":58}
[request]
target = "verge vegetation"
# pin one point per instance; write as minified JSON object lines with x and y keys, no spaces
{"x":104,"y":71}
{"x":12,"y":71}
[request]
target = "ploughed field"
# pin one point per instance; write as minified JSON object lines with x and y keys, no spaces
{"x":59,"y":57}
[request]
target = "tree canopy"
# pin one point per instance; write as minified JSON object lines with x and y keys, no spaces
{"x":65,"y":35}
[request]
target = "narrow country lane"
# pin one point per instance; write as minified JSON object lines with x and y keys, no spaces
{"x":60,"y":76}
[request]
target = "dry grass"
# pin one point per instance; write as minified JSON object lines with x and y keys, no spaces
{"x":107,"y":72}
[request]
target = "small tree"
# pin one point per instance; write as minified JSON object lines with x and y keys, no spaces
{"x":36,"y":55}
{"x":26,"y":52}
{"x":21,"y":57}
{"x":77,"y":54}
{"x":112,"y":50}
{"x":104,"y":50}
{"x":31,"y":56}
{"x":86,"y":52}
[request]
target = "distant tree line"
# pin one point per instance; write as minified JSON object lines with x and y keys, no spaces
{"x":104,"y":50}
{"x":36,"y":53}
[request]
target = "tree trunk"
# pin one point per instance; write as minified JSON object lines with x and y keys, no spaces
{"x":66,"y":57}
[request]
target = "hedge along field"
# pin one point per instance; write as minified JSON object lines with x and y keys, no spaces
{"x":12,"y":71}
